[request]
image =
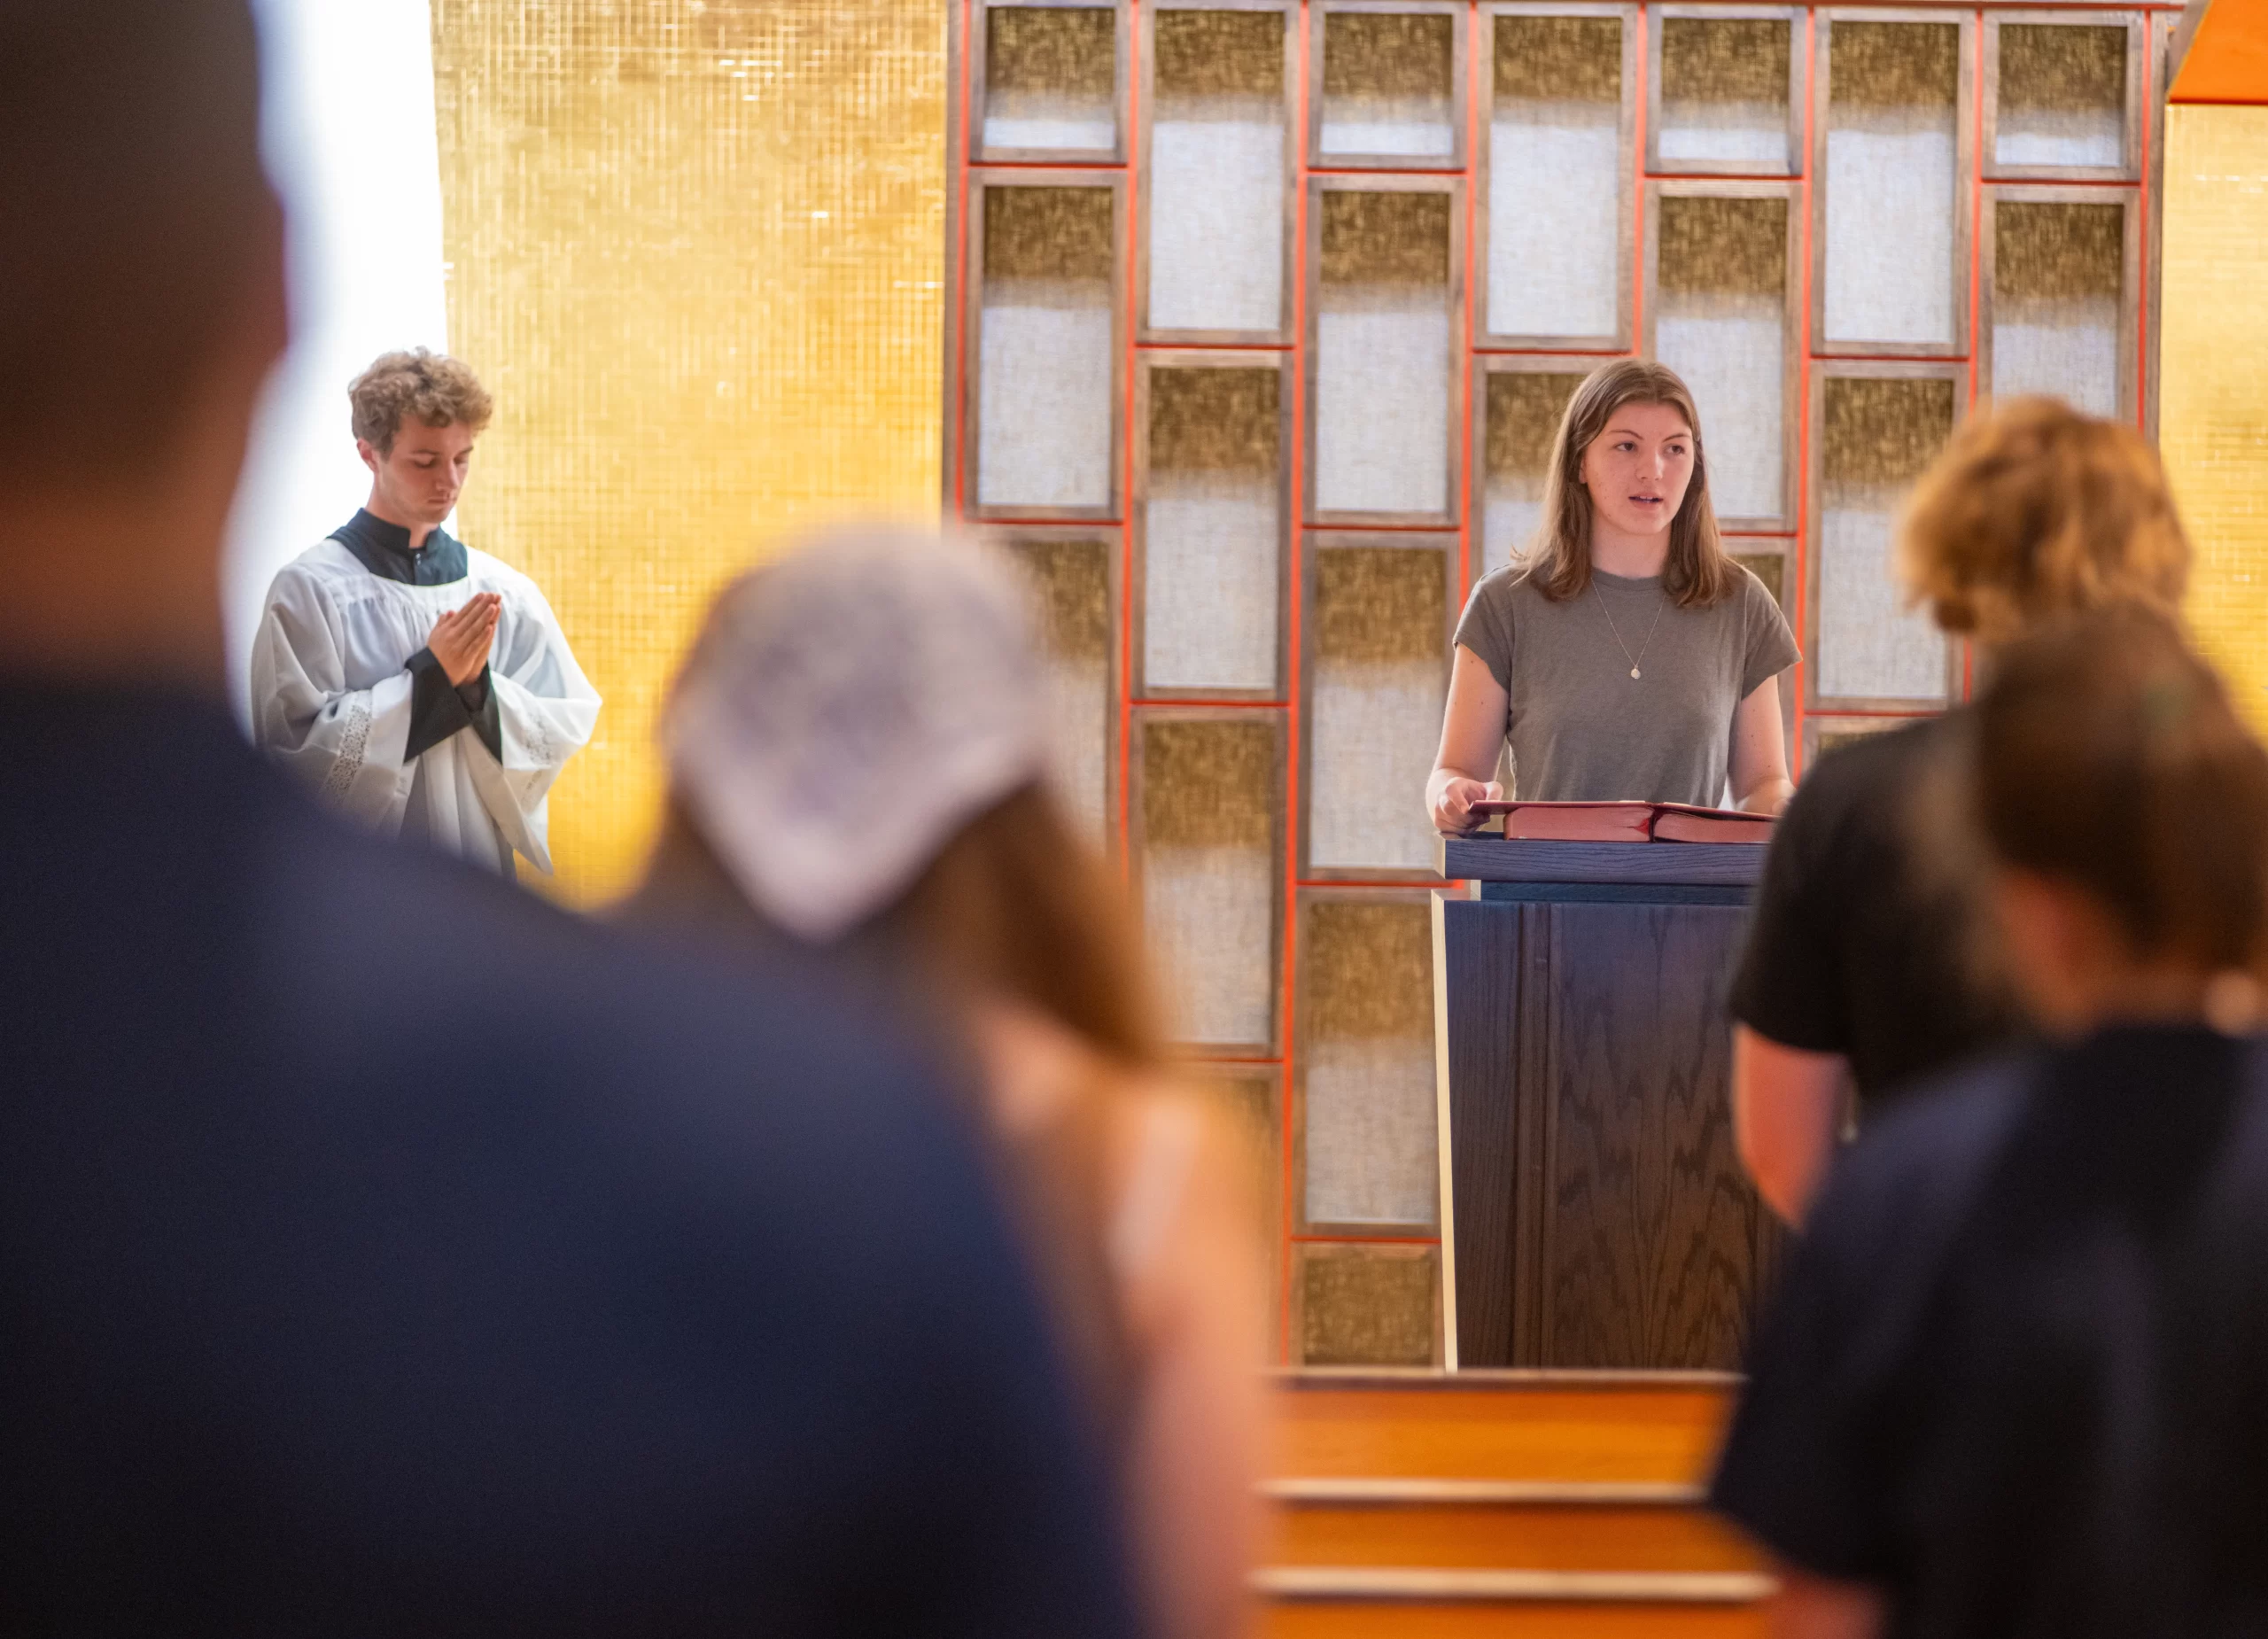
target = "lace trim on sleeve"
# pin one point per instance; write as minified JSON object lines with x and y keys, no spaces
{"x":353,"y":746}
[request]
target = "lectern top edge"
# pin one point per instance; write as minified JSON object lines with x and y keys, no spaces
{"x":1497,"y":859}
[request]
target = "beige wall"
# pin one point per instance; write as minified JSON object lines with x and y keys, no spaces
{"x":696,"y":250}
{"x":2213,"y":404}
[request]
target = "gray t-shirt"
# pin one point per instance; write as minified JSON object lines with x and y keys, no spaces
{"x":1582,"y":729}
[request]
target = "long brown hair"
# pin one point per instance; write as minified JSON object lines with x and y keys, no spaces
{"x":1698,"y":573}
{"x":2108,"y":756}
{"x":1017,"y":904}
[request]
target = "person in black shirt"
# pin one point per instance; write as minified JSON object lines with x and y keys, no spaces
{"x":1860,"y":975}
{"x":382,"y":1250}
{"x":2013,"y":1384}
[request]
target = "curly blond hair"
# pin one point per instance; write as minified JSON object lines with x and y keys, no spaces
{"x":440,"y":391}
{"x":2034,"y":510}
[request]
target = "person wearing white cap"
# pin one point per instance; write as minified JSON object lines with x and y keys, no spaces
{"x":857,"y":751}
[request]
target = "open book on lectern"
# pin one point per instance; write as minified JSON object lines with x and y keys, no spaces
{"x":1625,"y":822}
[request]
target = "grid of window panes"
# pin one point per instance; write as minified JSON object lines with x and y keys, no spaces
{"x":1265,"y":313}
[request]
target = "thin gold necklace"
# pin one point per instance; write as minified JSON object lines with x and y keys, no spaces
{"x":1619,"y":643}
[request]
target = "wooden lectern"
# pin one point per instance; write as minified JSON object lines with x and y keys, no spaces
{"x":1594,"y":1212}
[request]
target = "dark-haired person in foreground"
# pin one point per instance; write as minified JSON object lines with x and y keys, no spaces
{"x":2013,"y":1384}
{"x":381,"y":1251}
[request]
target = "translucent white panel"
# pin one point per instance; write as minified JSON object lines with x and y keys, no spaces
{"x":1048,"y":344}
{"x":1041,"y":120}
{"x":1217,"y":150}
{"x":2062,"y":95}
{"x":1050,"y":78}
{"x":2067,"y":349}
{"x":1730,"y":349}
{"x":1891,"y":195}
{"x":1724,"y":96}
{"x":2070,"y":137}
{"x":1893,"y":192}
{"x":1871,"y":646}
{"x":1370,"y":1131}
{"x":1211,"y":535}
{"x":1696,"y":133}
{"x":1388,"y":84}
{"x":1216,"y":222}
{"x":1523,"y":408}
{"x":1878,"y":434}
{"x":2058,"y":267}
{"x":1511,"y":507}
{"x":1210,"y":915}
{"x":1210,"y":792}
{"x":1212,"y":565}
{"x":1380,"y":617}
{"x":1382,"y":401}
{"x":1044,"y":394}
{"x":1072,"y":580}
{"x":1375,"y":727}
{"x":1555,"y":219}
{"x":1721,"y":272}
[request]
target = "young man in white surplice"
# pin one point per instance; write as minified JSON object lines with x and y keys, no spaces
{"x":412,"y":682}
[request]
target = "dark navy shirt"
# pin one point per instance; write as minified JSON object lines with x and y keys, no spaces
{"x":585,"y":1291}
{"x":2017,"y":1374}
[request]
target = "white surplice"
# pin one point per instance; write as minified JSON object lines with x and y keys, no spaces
{"x":330,"y":701}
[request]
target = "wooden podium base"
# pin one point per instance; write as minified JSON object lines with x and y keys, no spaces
{"x":1595,"y":1214}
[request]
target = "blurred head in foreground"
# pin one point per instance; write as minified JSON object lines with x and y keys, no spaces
{"x":2034,"y":510}
{"x":857,"y":751}
{"x":2125,"y":808}
{"x":858,"y":754}
{"x":140,"y":306}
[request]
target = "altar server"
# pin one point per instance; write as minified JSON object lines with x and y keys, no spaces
{"x":1626,"y":657}
{"x":419,"y":685}
{"x":2014,"y":1382}
{"x":1859,"y":978}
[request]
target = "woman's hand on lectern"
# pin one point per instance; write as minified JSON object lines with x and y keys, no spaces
{"x":1452,"y":803}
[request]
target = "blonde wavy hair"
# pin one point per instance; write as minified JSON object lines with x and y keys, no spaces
{"x":438,"y":389}
{"x":2034,"y":510}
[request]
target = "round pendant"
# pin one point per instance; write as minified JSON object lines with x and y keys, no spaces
{"x":1634,"y":671}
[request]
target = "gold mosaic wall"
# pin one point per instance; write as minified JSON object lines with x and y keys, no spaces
{"x":697,"y":249}
{"x":2212,"y":415}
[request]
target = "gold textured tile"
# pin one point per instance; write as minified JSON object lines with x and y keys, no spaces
{"x":697,"y":249}
{"x":2213,"y":351}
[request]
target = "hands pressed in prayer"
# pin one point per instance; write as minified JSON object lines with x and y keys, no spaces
{"x":462,"y":638}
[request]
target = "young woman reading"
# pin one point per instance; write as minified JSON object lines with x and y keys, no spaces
{"x":1626,"y":657}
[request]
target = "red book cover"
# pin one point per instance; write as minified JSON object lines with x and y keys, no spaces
{"x":1678,"y":823}
{"x":1572,"y":822}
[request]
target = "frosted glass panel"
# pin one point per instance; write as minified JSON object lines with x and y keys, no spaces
{"x":2057,"y":269}
{"x":1212,"y":539}
{"x":1524,"y":411}
{"x":2063,"y":95}
{"x":1892,"y":187}
{"x":1383,"y":363}
{"x":1724,"y":96}
{"x":1367,"y":1063}
{"x":1210,"y":791}
{"x":1381,"y":614}
{"x":1721,"y":324}
{"x":1555,"y":182}
{"x":1388,"y":84}
{"x":1217,"y":141}
{"x":1071,"y":579}
{"x":1879,"y":435}
{"x":1048,"y":347}
{"x":1050,"y":78}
